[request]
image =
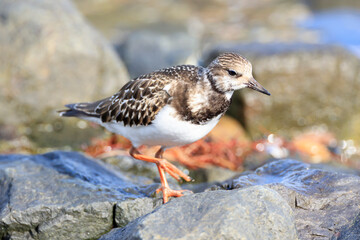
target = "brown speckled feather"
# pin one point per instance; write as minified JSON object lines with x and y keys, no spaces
{"x":138,"y":101}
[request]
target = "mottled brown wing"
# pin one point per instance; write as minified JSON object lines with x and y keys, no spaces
{"x":137,"y":102}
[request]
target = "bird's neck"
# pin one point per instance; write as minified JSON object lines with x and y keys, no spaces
{"x":202,"y":103}
{"x":208,"y":77}
{"x":228,"y":95}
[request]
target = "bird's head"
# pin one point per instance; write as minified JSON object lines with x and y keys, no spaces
{"x":230,"y":71}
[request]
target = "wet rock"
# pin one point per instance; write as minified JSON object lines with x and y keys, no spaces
{"x":252,"y":213}
{"x":128,"y":210}
{"x":349,"y":232}
{"x":324,"y":203}
{"x":336,"y":167}
{"x":301,"y":77}
{"x":145,"y":51}
{"x":65,"y":195}
{"x":50,"y":56}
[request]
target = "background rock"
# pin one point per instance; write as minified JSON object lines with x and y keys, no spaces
{"x":64,"y":195}
{"x":146,"y":51}
{"x":252,"y":213}
{"x":50,"y":56}
{"x":311,"y":85}
{"x":325,"y":204}
{"x":212,"y":20}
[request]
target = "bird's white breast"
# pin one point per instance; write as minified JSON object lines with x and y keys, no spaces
{"x":166,"y":130}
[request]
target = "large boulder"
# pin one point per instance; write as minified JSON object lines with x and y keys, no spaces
{"x":65,"y":195}
{"x":284,"y":199}
{"x":325,"y":204}
{"x":50,"y":56}
{"x":311,"y":85}
{"x":252,"y":213}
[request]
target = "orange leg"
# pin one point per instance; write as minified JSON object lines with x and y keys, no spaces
{"x":163,"y":166}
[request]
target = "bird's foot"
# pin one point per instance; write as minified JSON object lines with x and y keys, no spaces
{"x":168,"y":192}
{"x":163,"y":166}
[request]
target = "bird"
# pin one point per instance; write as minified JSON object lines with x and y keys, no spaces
{"x":170,"y":107}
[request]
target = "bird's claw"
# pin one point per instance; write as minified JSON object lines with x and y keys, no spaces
{"x":168,"y":192}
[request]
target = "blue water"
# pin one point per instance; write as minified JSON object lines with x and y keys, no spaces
{"x":341,"y":27}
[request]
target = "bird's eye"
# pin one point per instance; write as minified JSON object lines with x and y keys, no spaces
{"x":231,"y":72}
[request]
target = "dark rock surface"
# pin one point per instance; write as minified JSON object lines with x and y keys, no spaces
{"x":350,"y":232}
{"x":301,"y":77}
{"x":325,"y":204}
{"x":65,"y":195}
{"x":128,"y":210}
{"x":50,"y":56}
{"x":252,"y":213}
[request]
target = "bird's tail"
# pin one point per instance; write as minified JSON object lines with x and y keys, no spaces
{"x":71,"y":112}
{"x":81,"y":110}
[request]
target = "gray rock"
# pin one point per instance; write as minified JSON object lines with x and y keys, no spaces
{"x":253,"y":213}
{"x":50,"y":56}
{"x":324,"y":203}
{"x":128,"y":210}
{"x":144,"y":51}
{"x":65,"y":195}
{"x":336,"y":167}
{"x":301,"y":77}
{"x":350,"y":232}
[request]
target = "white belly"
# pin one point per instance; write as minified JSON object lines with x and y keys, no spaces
{"x":166,"y":130}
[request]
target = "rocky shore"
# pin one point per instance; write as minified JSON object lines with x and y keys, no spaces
{"x":51,"y":55}
{"x":66,"y":195}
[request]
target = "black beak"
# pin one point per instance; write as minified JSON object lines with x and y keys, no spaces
{"x":253,"y":84}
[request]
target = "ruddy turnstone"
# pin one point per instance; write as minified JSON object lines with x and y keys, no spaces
{"x":170,"y":107}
